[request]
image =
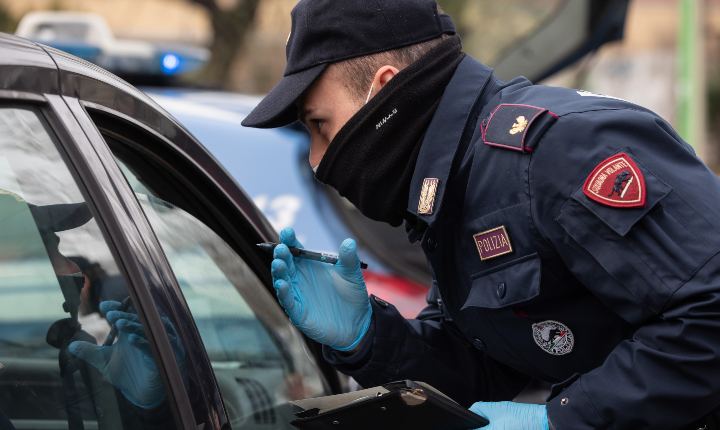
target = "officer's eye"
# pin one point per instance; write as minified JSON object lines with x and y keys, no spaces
{"x":318,"y":124}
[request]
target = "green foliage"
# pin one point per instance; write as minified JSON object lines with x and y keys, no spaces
{"x":56,"y":5}
{"x":714,"y":105}
{"x":7,"y":22}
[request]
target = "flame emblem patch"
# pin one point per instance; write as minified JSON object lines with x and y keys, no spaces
{"x":617,"y":182}
{"x":553,"y":337}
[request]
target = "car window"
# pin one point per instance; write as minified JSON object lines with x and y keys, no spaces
{"x":57,"y":276}
{"x":259,"y":359}
{"x":490,"y":27}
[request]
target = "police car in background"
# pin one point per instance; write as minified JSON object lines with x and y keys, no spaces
{"x":88,"y":36}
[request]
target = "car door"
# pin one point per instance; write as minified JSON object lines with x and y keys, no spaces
{"x":247,"y":360}
{"x":62,"y":254}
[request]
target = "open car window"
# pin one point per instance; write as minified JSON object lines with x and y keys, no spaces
{"x":258,"y":358}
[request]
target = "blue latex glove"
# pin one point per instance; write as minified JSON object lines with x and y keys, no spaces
{"x":329,"y":303}
{"x":512,"y":416}
{"x":128,"y":364}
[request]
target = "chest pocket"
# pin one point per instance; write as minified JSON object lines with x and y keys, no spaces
{"x":512,"y":283}
{"x":651,"y":251}
{"x":501,"y":274}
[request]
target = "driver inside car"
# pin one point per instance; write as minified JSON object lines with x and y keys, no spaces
{"x":123,"y":361}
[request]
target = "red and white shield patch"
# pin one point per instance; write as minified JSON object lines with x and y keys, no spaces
{"x":617,"y":182}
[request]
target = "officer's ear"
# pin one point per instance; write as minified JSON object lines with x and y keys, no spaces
{"x":383,"y":75}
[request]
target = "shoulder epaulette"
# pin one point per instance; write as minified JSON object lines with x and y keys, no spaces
{"x":516,"y":127}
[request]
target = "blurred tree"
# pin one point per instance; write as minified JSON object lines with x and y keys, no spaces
{"x":7,"y":22}
{"x":231,"y":21}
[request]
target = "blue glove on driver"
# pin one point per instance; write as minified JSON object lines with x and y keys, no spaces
{"x":329,"y":303}
{"x":128,"y":364}
{"x":512,"y":416}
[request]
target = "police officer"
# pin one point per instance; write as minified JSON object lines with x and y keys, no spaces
{"x":573,"y":237}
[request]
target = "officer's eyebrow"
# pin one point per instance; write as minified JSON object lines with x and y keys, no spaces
{"x":305,"y":112}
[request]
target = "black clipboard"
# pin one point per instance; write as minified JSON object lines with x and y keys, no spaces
{"x":397,"y":405}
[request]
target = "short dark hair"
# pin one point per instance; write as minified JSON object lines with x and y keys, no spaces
{"x":358,"y":73}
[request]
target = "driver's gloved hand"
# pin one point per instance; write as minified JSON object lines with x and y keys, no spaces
{"x":512,"y":415}
{"x":128,"y":364}
{"x":329,"y":303}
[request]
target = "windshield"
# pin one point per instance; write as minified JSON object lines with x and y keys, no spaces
{"x":489,"y":27}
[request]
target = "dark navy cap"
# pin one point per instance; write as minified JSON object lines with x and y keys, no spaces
{"x":328,"y":31}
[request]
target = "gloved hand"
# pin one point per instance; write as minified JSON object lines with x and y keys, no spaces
{"x":512,"y":416}
{"x":128,"y":364}
{"x":329,"y":303}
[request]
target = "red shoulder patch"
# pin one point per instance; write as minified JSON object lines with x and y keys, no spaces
{"x":617,"y":182}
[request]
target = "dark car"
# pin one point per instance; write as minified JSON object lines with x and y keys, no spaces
{"x":104,"y":198}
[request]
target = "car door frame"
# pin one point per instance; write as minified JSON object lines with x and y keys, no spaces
{"x":96,"y":188}
{"x":165,"y":289}
{"x":134,"y":258}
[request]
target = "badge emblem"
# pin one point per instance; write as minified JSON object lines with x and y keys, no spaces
{"x":519,"y":125}
{"x":493,"y":243}
{"x":427,"y":196}
{"x":553,"y":337}
{"x":617,"y":182}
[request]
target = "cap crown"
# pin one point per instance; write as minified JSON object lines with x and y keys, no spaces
{"x":327,"y":31}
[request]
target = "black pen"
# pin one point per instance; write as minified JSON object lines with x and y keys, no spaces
{"x":308,"y":255}
{"x":113,"y":330}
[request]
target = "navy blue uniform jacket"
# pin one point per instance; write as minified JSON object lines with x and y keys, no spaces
{"x":615,"y":300}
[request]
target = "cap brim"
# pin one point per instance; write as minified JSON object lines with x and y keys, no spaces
{"x":278,"y":109}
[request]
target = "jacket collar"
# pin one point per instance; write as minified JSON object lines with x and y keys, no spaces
{"x":467,"y":90}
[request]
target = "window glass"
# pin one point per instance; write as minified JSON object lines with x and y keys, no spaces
{"x":58,"y":282}
{"x":489,"y":27}
{"x":259,"y":359}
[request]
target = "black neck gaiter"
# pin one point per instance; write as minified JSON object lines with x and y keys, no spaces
{"x":371,"y":160}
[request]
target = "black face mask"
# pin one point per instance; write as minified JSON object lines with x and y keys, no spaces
{"x":372,"y":158}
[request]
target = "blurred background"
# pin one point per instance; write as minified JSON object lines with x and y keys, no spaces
{"x":208,"y":62}
{"x":651,"y":65}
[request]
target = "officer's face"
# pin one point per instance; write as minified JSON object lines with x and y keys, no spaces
{"x":325,"y":109}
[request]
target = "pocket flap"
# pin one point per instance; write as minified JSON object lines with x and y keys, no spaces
{"x":621,"y":220}
{"x":517,"y":281}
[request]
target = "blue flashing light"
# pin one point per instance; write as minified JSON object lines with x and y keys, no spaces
{"x":170,"y":63}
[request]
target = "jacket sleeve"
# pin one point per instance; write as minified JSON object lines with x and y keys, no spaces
{"x":427,"y":349}
{"x":657,"y":266}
